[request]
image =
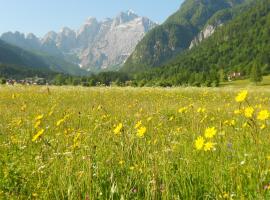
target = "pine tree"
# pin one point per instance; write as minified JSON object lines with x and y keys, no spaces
{"x":256,"y":74}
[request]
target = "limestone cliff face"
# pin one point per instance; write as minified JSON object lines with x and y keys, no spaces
{"x":205,"y":33}
{"x":115,"y":41}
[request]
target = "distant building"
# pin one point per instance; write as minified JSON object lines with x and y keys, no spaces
{"x":234,"y":75}
{"x":11,"y":82}
{"x":27,"y":81}
{"x":35,"y":81}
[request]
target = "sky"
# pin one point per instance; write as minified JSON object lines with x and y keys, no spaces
{"x":41,"y":16}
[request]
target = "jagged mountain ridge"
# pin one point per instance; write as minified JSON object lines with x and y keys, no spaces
{"x":97,"y":45}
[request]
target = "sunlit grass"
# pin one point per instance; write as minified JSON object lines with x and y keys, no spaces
{"x":247,"y":83}
{"x":134,"y":143}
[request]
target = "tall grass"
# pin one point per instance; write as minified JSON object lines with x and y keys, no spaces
{"x":81,"y":156}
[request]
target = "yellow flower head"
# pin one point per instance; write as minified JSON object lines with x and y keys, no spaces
{"x":201,"y":110}
{"x":241,"y":96}
{"x":171,"y":118}
{"x":121,"y":162}
{"x":210,"y":132}
{"x":183,"y":110}
{"x":118,"y":129}
{"x":237,"y":112}
{"x":209,"y":146}
{"x":59,"y":122}
{"x":138,"y":124}
{"x":263,"y":126}
{"x":39,"y":117}
{"x":263,"y":115}
{"x":37,"y":124}
{"x":39,"y":133}
{"x":249,"y":112}
{"x":141,"y":131}
{"x":199,"y":143}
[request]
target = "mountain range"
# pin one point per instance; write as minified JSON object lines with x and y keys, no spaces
{"x":96,"y":46}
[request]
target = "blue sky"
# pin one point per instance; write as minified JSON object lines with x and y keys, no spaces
{"x":41,"y":16}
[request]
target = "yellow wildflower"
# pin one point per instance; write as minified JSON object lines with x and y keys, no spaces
{"x":263,"y":126}
{"x":201,"y":110}
{"x":59,"y":122}
{"x":232,"y":122}
{"x":182,"y":110}
{"x":171,"y":118}
{"x":141,"y":132}
{"x":241,"y":96}
{"x":50,"y":113}
{"x":121,"y":162}
{"x":138,"y":124}
{"x":39,"y":117}
{"x":210,"y":132}
{"x":209,"y":146}
{"x":37,"y":124}
{"x":118,"y":129}
{"x":39,"y":133}
{"x":199,"y":143}
{"x":249,"y":112}
{"x":237,"y":112}
{"x":263,"y":115}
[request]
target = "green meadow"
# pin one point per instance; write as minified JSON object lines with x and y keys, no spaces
{"x":134,"y":143}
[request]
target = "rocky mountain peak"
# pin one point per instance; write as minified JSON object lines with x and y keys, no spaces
{"x":50,"y":36}
{"x":90,"y":21}
{"x":124,"y":17}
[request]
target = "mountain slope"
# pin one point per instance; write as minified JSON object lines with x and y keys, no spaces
{"x":14,"y":55}
{"x":236,"y":46}
{"x":176,"y":34}
{"x":16,"y":62}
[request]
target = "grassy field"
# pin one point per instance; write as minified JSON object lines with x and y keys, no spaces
{"x":246,"y":82}
{"x":134,"y":143}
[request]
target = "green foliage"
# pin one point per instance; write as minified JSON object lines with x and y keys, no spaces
{"x":234,"y":47}
{"x":175,"y":35}
{"x":256,"y":74}
{"x":20,"y":72}
{"x":12,"y":55}
{"x":3,"y":80}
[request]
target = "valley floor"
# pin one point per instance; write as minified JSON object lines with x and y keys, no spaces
{"x":134,"y":143}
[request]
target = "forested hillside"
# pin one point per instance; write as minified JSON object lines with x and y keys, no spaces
{"x":236,"y":46}
{"x":175,"y":35}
